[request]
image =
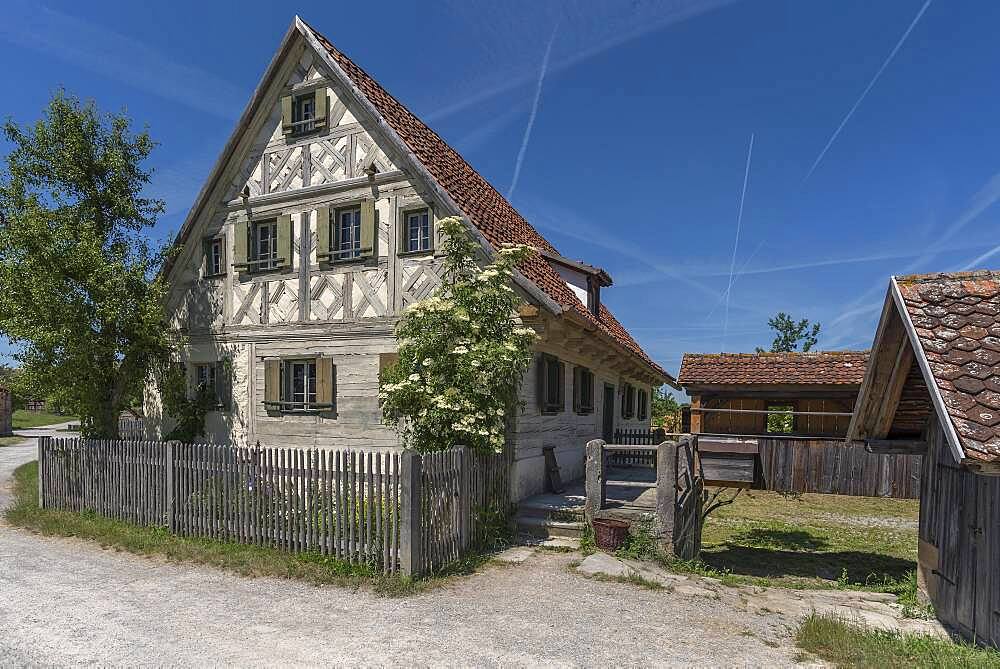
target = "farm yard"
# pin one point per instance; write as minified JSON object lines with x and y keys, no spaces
{"x":814,"y":541}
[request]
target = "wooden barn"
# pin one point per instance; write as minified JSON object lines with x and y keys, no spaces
{"x":933,"y":386}
{"x":6,"y":412}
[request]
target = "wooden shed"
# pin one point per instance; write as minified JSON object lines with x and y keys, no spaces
{"x":732,"y":393}
{"x":933,"y":386}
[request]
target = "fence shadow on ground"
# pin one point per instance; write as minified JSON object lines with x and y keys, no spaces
{"x":859,"y":567}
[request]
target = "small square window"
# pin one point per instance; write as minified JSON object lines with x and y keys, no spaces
{"x":346,"y":233}
{"x":417,"y":231}
{"x":304,"y":112}
{"x":215,"y":257}
{"x":781,"y":420}
{"x":264,"y":245}
{"x":206,"y":379}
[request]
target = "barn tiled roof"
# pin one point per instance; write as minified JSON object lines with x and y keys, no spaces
{"x":842,"y":368}
{"x":486,"y":208}
{"x":957,"y":319}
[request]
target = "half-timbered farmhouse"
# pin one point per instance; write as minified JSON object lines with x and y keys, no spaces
{"x":316,"y":228}
{"x":933,"y":387}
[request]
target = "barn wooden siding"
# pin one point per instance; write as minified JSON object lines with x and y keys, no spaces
{"x":959,"y":554}
{"x":790,"y":464}
{"x":834,"y":467}
{"x":391,"y":511}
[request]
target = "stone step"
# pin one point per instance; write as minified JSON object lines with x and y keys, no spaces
{"x":557,"y":512}
{"x":543,"y":527}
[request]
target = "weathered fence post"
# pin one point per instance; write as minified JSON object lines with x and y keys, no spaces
{"x":169,"y":493}
{"x":43,"y":447}
{"x":410,"y":496}
{"x":464,"y":497}
{"x":596,"y":485}
{"x":666,"y":493}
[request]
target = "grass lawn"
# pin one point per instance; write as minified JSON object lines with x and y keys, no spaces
{"x":851,"y":646}
{"x":10,"y":441}
{"x":23,"y":419}
{"x":814,"y":541}
{"x":239,"y":558}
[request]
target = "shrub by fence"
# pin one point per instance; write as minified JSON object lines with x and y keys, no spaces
{"x":392,"y":511}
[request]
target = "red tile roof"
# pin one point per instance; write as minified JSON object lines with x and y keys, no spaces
{"x":486,"y":208}
{"x":842,"y":368}
{"x":957,"y":320}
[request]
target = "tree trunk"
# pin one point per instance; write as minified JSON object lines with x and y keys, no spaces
{"x":103,"y":424}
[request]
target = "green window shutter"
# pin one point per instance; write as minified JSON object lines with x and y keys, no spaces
{"x":577,"y":389}
{"x":285,"y":240}
{"x":272,"y":384}
{"x":241,"y":231}
{"x":369,"y":233}
{"x":325,"y":384}
{"x":562,"y":386}
{"x":320,"y":107}
{"x":322,"y":234}
{"x":540,"y":383}
{"x":286,"y":114}
{"x":223,"y":385}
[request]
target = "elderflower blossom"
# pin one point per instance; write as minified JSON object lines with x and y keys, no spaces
{"x":458,"y":350}
{"x":414,"y":377}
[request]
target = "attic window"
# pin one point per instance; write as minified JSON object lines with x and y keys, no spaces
{"x":303,"y":112}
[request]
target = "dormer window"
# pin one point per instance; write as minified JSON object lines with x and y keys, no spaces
{"x":594,"y":295}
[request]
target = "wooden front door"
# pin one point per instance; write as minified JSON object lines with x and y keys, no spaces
{"x":608,"y":431}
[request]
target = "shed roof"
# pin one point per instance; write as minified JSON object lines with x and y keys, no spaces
{"x":838,"y":368}
{"x":956,"y":319}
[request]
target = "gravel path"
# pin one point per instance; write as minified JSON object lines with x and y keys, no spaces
{"x":66,"y":601}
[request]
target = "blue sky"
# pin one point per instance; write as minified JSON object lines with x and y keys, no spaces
{"x":640,"y":132}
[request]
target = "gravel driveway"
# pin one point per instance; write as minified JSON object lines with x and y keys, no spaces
{"x":65,"y":601}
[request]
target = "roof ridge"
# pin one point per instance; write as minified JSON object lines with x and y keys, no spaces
{"x":950,"y":276}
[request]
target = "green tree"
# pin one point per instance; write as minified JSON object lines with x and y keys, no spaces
{"x":790,"y":334}
{"x":462,"y":353}
{"x":664,"y":408}
{"x":80,"y":297}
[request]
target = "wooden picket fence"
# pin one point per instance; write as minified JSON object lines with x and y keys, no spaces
{"x":463,"y":494}
{"x":391,"y":511}
{"x":636,"y":437}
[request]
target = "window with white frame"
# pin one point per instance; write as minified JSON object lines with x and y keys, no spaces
{"x":215,"y":257}
{"x":264,"y":244}
{"x":347,"y":233}
{"x":300,"y":385}
{"x":417,"y":230}
{"x":304,"y":112}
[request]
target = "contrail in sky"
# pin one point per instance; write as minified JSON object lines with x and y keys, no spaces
{"x":892,"y":54}
{"x":736,"y":244}
{"x":534,"y":112}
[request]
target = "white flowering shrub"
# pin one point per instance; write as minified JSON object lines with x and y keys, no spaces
{"x":462,"y":353}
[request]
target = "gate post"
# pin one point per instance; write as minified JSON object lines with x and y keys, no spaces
{"x":43,"y":446}
{"x":410,"y":497}
{"x":596,"y":484}
{"x":666,"y":493}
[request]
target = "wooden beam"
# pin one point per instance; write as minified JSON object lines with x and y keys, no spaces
{"x":981,"y":467}
{"x":896,"y":446}
{"x":894,"y":390}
